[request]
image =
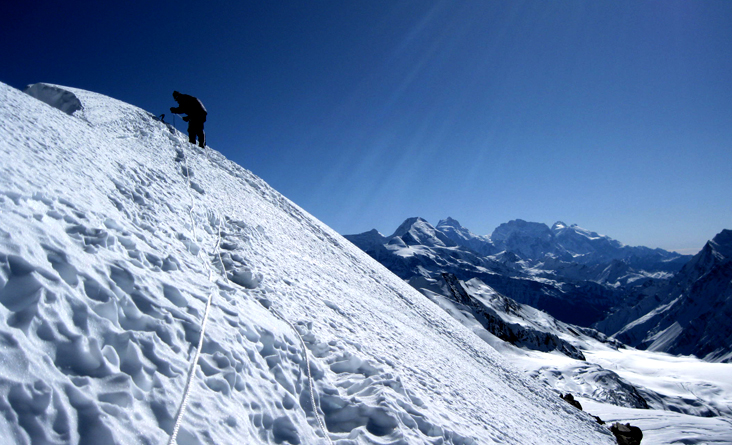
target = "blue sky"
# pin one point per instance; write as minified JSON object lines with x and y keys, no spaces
{"x":614,"y":115}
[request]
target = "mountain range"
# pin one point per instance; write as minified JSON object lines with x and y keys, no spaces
{"x":648,"y":298}
{"x":573,"y":274}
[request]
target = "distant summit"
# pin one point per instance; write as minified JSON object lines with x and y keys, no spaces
{"x":535,"y":242}
{"x":529,"y":240}
{"x":721,"y":245}
{"x":417,"y":231}
{"x":464,"y":237}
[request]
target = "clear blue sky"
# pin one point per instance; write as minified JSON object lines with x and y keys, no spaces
{"x":614,"y":115}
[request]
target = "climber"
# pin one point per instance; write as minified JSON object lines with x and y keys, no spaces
{"x":196,"y":116}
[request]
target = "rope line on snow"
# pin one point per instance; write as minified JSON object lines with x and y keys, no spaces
{"x":191,"y":373}
{"x":191,"y":369}
{"x":194,"y":362}
{"x":321,"y":423}
{"x":278,"y":314}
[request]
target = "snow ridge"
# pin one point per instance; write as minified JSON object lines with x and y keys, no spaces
{"x":104,"y":282}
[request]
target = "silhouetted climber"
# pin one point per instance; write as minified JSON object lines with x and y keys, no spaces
{"x":196,"y":116}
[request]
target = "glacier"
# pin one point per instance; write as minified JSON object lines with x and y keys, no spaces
{"x":118,"y":239}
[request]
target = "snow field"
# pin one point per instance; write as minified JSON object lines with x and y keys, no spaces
{"x":114,"y":233}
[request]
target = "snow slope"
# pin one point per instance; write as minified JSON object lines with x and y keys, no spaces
{"x":114,"y":235}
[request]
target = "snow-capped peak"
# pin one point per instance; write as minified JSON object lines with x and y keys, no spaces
{"x":559,"y":225}
{"x":449,"y":222}
{"x":521,"y":228}
{"x":417,"y":231}
{"x":722,"y":244}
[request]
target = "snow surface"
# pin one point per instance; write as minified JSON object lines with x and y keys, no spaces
{"x":115,"y":232}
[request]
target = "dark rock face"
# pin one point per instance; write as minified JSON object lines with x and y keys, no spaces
{"x":516,"y":334}
{"x":56,"y":97}
{"x":627,"y":434}
{"x":569,"y":398}
{"x":522,"y":336}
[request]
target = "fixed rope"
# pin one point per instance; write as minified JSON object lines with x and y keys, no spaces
{"x":194,"y":363}
{"x":321,"y":423}
{"x":278,"y":314}
{"x":192,"y":368}
{"x":191,"y":373}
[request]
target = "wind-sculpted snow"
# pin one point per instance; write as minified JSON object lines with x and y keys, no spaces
{"x":114,"y":234}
